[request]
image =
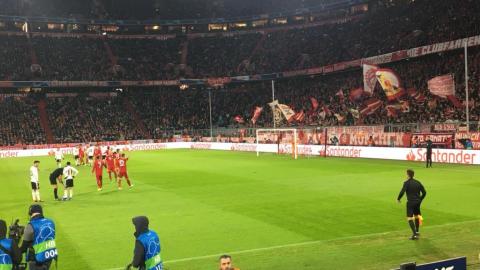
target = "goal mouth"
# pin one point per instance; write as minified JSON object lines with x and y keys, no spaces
{"x":286,"y":140}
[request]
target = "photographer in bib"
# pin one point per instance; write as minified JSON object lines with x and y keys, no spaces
{"x":39,"y":240}
{"x":10,"y":256}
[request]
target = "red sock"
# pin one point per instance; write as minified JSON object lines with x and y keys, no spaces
{"x":128,"y":181}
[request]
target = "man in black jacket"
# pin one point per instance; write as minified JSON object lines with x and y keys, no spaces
{"x":9,"y":251}
{"x":146,"y":254}
{"x":415,"y":195}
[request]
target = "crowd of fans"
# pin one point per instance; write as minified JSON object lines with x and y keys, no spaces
{"x":404,"y":25}
{"x":20,"y":122}
{"x":14,"y":57}
{"x":166,"y":109}
{"x":90,"y":119}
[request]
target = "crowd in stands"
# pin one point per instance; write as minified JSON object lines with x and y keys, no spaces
{"x":14,"y":57}
{"x":20,"y":122}
{"x":90,"y":119}
{"x":151,"y":9}
{"x":165,"y":109}
{"x":388,"y":28}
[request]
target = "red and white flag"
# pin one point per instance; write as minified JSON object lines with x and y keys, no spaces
{"x":442,"y":86}
{"x":256,"y":114}
{"x":369,"y":78}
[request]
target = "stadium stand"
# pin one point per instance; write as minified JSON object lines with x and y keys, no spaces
{"x":77,"y":57}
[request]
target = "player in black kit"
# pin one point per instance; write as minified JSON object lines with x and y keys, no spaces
{"x":415,"y":195}
{"x":429,"y":146}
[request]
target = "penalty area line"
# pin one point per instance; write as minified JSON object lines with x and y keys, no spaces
{"x":306,"y":243}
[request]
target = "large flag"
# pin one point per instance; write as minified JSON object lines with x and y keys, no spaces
{"x":356,"y":94}
{"x":390,"y":83}
{"x":239,"y":119}
{"x":371,"y":106}
{"x":314,"y":103}
{"x":281,"y":110}
{"x":369,"y":78}
{"x":417,"y":96}
{"x":256,"y":114}
{"x":442,"y":86}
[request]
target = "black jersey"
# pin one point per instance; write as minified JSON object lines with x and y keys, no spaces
{"x":414,"y":189}
{"x":55,"y":174}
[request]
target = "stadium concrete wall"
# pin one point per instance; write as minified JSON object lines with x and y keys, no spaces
{"x":454,"y":156}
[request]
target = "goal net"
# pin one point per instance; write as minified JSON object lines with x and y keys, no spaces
{"x":284,"y":141}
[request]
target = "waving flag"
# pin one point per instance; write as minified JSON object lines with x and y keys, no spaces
{"x":390,"y":83}
{"x":369,"y":78}
{"x":256,"y":114}
{"x":442,"y":86}
{"x":282,"y":110}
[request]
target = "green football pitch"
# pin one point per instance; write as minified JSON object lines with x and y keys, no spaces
{"x":268,"y":212}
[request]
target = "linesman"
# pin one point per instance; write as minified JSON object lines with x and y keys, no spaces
{"x":415,"y":195}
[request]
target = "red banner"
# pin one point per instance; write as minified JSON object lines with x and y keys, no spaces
{"x":443,"y":140}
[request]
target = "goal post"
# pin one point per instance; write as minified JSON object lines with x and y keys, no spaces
{"x":286,"y":140}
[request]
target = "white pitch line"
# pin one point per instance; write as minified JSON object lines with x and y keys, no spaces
{"x":300,"y":244}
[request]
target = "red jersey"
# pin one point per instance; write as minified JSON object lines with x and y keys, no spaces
{"x":97,"y":152}
{"x":110,"y":161}
{"x":98,"y":166}
{"x":81,"y":152}
{"x":122,"y":164}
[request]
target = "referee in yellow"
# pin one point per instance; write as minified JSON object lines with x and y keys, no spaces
{"x":415,"y":195}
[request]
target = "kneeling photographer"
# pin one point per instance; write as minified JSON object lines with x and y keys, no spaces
{"x":10,"y":255}
{"x":39,"y":240}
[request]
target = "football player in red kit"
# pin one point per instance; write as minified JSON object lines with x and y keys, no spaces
{"x":110,"y":160}
{"x":121,"y":165}
{"x":97,"y":167}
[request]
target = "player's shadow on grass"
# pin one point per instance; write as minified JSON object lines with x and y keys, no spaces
{"x":104,"y":193}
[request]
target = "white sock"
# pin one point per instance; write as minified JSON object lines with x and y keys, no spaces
{"x":38,"y":194}
{"x":34,"y":197}
{"x":71,"y":193}
{"x":65,"y":193}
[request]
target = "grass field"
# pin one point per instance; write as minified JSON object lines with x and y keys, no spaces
{"x":270,"y":212}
